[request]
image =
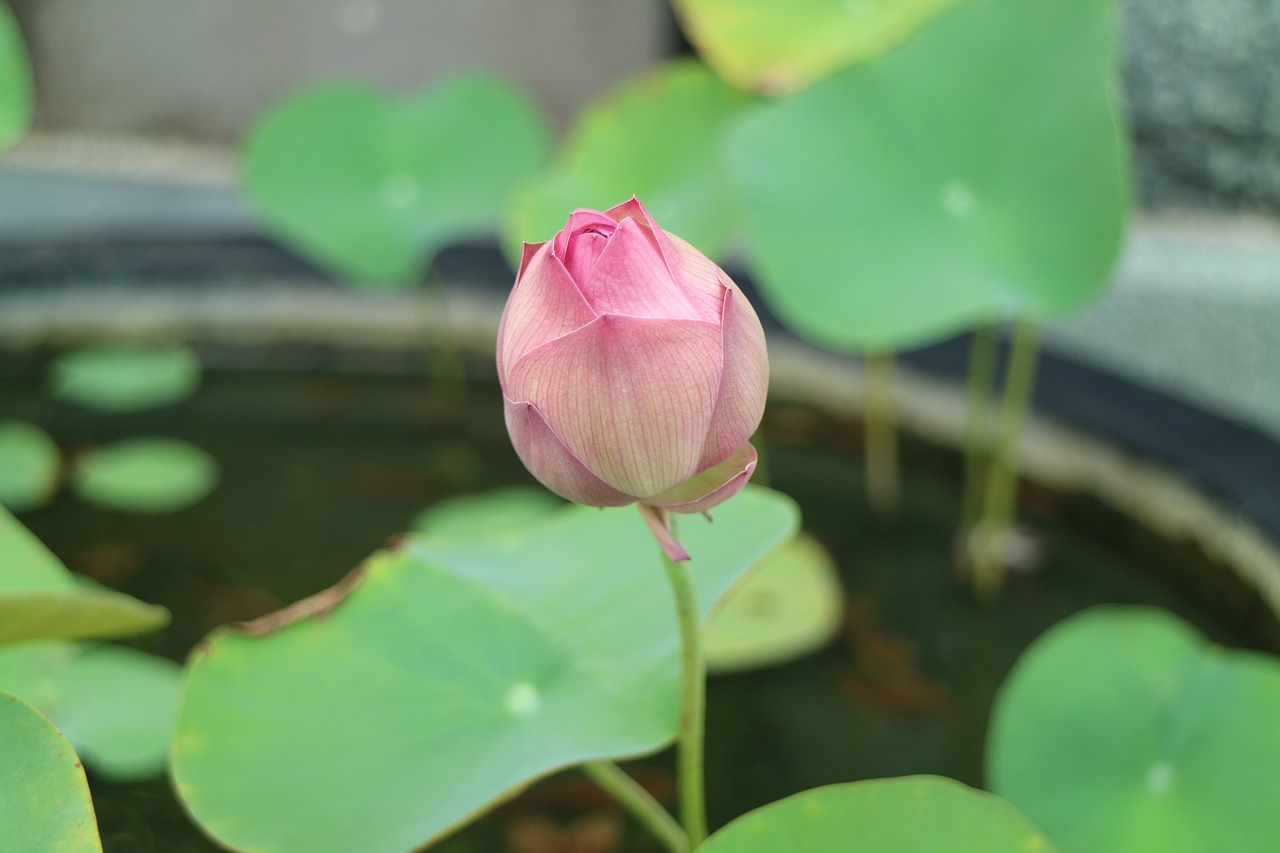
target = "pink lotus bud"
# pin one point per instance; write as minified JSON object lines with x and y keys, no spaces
{"x":632,"y":367}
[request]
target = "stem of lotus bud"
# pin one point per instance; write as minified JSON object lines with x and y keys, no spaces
{"x":693,"y":699}
{"x":659,"y":521}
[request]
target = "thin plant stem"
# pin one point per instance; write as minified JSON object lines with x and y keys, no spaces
{"x":642,"y":805}
{"x":449,"y":380}
{"x":881,"y":434}
{"x":980,"y":390}
{"x":693,"y":698}
{"x":998,"y":503}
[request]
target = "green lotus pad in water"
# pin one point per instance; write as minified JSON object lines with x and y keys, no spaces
{"x":1120,"y":730}
{"x":444,"y":675}
{"x":44,"y":796}
{"x":41,"y":600}
{"x":911,"y":814}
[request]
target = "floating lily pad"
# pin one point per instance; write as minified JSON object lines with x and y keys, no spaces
{"x":374,"y":186}
{"x":766,"y":46}
{"x":911,"y":814}
{"x":40,"y":599}
{"x":500,"y":512}
{"x":660,"y":138}
{"x":117,"y":706}
{"x":977,"y":173}
{"x":1122,"y":731}
{"x":15,"y":81}
{"x":446,"y":675}
{"x":789,"y":605}
{"x":145,"y":475}
{"x":29,"y":463}
{"x":126,"y":378}
{"x":44,"y":796}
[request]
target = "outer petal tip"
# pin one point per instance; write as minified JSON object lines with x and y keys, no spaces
{"x":712,"y":486}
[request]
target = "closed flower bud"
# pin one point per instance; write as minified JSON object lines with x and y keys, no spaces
{"x":632,"y":367}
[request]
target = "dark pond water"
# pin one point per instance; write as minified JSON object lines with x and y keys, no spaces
{"x":319,"y":469}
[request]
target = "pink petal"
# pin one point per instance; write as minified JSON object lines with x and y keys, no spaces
{"x":711,"y":486}
{"x":544,"y":305}
{"x":660,"y":527}
{"x":634,"y":210}
{"x":555,"y":466}
{"x":631,"y":397}
{"x":703,"y":282}
{"x":527,"y":251}
{"x":744,"y":382}
{"x":579,"y":220}
{"x":631,"y":278}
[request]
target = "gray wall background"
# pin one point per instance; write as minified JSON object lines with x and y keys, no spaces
{"x":206,"y":68}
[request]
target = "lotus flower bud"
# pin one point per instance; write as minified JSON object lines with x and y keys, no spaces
{"x":632,"y":367}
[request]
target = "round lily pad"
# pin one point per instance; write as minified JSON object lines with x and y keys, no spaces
{"x":126,"y":378}
{"x":117,"y":706}
{"x":975,"y":174}
{"x":911,"y":814}
{"x":145,"y":475}
{"x":374,"y":186}
{"x":1122,"y":731}
{"x":659,"y":137}
{"x":789,"y":605}
{"x":495,"y":513}
{"x":766,"y":46}
{"x":446,"y":675}
{"x":44,"y":796}
{"x":29,"y":464}
{"x":41,"y":600}
{"x":16,"y":103}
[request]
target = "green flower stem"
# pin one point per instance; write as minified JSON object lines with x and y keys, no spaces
{"x":449,"y":378}
{"x":881,"y":435}
{"x":640,"y":803}
{"x":693,"y":700}
{"x":997,"y":507}
{"x":979,"y":393}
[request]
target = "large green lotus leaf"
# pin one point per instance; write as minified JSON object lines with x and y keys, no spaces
{"x":145,"y":475}
{"x":119,"y":378}
{"x":911,"y":814}
{"x":976,"y":173}
{"x":445,"y":675}
{"x":790,"y":604}
{"x":373,"y":187}
{"x":44,"y":796}
{"x":15,"y":81}
{"x":41,"y":600}
{"x":492,"y":513}
{"x":766,"y":46}
{"x":660,"y":138}
{"x":117,"y":706}
{"x":1122,"y":731}
{"x":29,"y":463}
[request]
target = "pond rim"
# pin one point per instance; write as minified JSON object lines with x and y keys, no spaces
{"x":1183,"y":472}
